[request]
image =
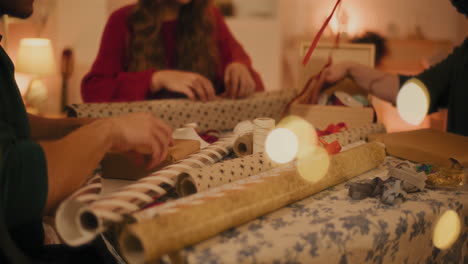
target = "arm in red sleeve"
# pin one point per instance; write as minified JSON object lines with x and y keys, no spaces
{"x":231,"y":50}
{"x":107,"y":81}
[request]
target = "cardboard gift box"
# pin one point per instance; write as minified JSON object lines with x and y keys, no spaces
{"x":323,"y":115}
{"x":427,"y":146}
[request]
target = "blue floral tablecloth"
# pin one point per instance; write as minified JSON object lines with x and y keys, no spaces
{"x":330,"y":227}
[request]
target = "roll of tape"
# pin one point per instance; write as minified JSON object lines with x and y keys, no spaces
{"x":244,"y":145}
{"x":262,"y":126}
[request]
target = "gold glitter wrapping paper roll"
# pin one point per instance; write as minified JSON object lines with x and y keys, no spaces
{"x":243,"y":146}
{"x":195,"y":218}
{"x":202,"y":179}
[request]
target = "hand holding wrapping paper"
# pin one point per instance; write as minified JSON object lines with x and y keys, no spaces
{"x":219,"y":115}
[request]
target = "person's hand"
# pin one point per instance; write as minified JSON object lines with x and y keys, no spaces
{"x":336,"y":72}
{"x":238,"y":81}
{"x":191,"y":84}
{"x":141,"y":133}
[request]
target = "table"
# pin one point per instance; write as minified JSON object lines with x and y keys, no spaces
{"x":330,"y":227}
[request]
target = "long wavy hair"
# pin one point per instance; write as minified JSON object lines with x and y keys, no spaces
{"x":462,"y":6}
{"x":196,"y":46}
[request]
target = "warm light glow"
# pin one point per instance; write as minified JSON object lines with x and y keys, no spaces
{"x":413,"y":102}
{"x":305,"y":132}
{"x":23,"y":81}
{"x":281,"y":145}
{"x":313,"y":164}
{"x":36,"y":95}
{"x":35,"y":57}
{"x":447,"y":230}
{"x":346,"y":20}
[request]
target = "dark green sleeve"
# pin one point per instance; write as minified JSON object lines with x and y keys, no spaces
{"x":438,"y":80}
{"x":24,"y":189}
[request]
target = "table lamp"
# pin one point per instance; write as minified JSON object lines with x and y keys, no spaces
{"x":35,"y":58}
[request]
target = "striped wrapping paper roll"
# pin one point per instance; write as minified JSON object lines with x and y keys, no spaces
{"x":222,"y":114}
{"x":81,"y":222}
{"x":354,"y":135}
{"x":67,"y":213}
{"x":170,"y":227}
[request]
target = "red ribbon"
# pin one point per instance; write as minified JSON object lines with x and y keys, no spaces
{"x":332,"y":148}
{"x":307,"y":58}
{"x":332,"y":129}
{"x":210,"y":136}
{"x":319,"y":35}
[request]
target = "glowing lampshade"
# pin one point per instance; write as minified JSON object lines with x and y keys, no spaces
{"x":447,"y":230}
{"x":413,"y":102}
{"x":35,"y":57}
{"x":313,"y":164}
{"x":281,"y":145}
{"x":305,"y":132}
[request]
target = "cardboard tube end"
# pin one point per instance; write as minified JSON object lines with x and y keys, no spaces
{"x":89,"y":221}
{"x":186,"y":186}
{"x":132,"y":249}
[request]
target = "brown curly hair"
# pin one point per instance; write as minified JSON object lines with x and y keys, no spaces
{"x":196,"y":46}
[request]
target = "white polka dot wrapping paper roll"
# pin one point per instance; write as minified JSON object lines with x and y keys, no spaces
{"x":354,"y":135}
{"x":222,"y":115}
{"x":205,"y":178}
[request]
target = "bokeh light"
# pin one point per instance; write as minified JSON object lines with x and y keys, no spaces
{"x":295,"y":137}
{"x":413,"y":102}
{"x":313,"y":164}
{"x":281,"y":145}
{"x":305,"y":132}
{"x":446,"y":230}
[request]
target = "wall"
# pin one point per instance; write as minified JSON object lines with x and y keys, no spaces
{"x":80,"y":27}
{"x":437,"y":19}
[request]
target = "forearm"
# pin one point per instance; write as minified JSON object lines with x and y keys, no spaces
{"x":72,"y":159}
{"x":52,"y":129}
{"x":380,"y":84}
{"x":116,"y":85}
